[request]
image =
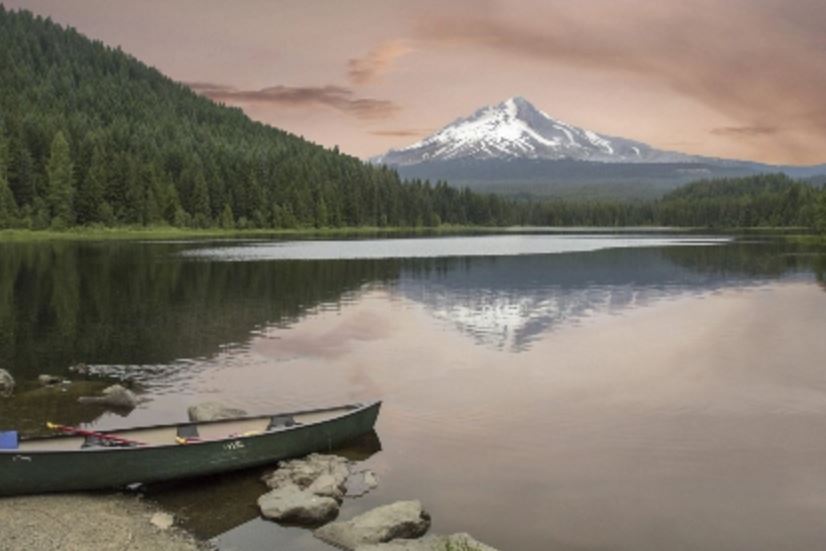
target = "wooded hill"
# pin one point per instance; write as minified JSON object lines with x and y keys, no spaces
{"x":89,"y":134}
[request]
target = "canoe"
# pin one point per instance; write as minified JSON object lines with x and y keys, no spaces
{"x":183,"y":450}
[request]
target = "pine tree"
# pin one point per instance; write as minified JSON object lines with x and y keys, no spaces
{"x":89,"y":199}
{"x":60,"y":187}
{"x":8,"y":207}
{"x":200,"y":202}
{"x":227,"y":220}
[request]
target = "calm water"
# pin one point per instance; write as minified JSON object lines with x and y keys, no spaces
{"x":543,"y":392}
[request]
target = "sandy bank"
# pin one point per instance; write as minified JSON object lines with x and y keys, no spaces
{"x":75,"y":522}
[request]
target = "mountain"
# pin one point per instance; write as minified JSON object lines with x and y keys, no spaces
{"x":515,"y":129}
{"x":90,"y":135}
{"x":515,"y":147}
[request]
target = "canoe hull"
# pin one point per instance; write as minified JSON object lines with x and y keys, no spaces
{"x":66,"y":471}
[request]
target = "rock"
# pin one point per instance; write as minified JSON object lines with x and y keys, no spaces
{"x":361,"y":483}
{"x":403,"y":519}
{"x":114,"y":396}
{"x":304,"y":472}
{"x":212,"y":411}
{"x":48,"y":380}
{"x":6,"y":383}
{"x":328,"y":485}
{"x":79,"y":368}
{"x":162,"y":521}
{"x":454,"y":542}
{"x":289,"y":503}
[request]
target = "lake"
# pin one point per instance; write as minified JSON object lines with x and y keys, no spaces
{"x":636,"y":391}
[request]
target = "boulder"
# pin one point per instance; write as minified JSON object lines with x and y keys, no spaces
{"x":361,"y":483}
{"x":213,"y":411}
{"x":328,"y":485}
{"x":162,"y":521}
{"x":454,"y":542}
{"x":6,"y":383}
{"x":403,"y":519}
{"x":305,"y":472}
{"x":289,"y":503}
{"x":49,"y":380}
{"x":114,"y":396}
{"x":79,"y":368}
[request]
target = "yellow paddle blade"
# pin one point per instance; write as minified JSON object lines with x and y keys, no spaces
{"x":53,"y":426}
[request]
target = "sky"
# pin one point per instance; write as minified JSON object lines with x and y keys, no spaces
{"x":741,"y":79}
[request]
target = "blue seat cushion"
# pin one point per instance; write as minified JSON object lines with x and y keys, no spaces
{"x":8,"y":440}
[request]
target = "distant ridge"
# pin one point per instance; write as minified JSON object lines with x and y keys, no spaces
{"x":513,"y":147}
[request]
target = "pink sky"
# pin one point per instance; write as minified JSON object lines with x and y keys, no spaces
{"x":729,"y":78}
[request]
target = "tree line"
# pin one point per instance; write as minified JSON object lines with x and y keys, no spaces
{"x":91,"y":136}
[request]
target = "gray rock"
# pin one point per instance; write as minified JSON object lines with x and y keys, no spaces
{"x":114,"y":396}
{"x":403,"y":519}
{"x":304,"y":472}
{"x":162,"y":521}
{"x":289,"y":503}
{"x":79,"y":368}
{"x":454,"y":542}
{"x":213,"y":411}
{"x":6,"y":383}
{"x":361,"y":483}
{"x":48,"y":380}
{"x":327,"y":485}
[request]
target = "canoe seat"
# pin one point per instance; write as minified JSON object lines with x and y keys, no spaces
{"x":9,"y":440}
{"x":280,"y":421}
{"x":95,"y":442}
{"x":187,"y":433}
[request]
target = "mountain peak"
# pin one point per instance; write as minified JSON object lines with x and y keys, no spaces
{"x":516,"y":129}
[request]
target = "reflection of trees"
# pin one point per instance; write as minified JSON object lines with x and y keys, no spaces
{"x":759,"y":260}
{"x":505,"y":302}
{"x":820,"y":270}
{"x":139,"y":303}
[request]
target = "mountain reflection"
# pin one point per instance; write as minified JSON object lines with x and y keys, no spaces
{"x":506,"y":302}
{"x":145,"y":304}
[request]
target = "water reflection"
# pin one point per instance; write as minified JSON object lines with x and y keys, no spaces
{"x":142,"y":307}
{"x":514,"y":407}
{"x":506,"y":302}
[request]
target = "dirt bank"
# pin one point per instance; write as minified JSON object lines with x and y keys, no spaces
{"x":81,"y":522}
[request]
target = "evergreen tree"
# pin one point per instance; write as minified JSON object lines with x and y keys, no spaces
{"x":60,"y":190}
{"x":8,"y":207}
{"x":90,"y":198}
{"x":227,"y":219}
{"x":200,"y":202}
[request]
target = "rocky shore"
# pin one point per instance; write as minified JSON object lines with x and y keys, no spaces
{"x":79,"y":522}
{"x":308,"y":491}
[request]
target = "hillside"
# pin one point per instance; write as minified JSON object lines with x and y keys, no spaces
{"x":90,"y":135}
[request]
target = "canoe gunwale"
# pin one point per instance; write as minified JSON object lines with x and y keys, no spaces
{"x":352,"y":409}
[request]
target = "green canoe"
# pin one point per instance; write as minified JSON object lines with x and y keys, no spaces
{"x":70,"y":463}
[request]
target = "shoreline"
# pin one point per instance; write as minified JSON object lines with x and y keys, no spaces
{"x":88,"y":521}
{"x":159,"y":233}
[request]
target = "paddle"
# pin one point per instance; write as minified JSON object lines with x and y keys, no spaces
{"x":93,"y":434}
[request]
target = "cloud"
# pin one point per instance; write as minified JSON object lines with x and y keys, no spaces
{"x":377,"y":61}
{"x":335,"y":97}
{"x":402,"y":132}
{"x":753,"y":61}
{"x":744,"y":130}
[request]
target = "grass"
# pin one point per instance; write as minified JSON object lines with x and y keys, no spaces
{"x":100,"y":233}
{"x":168,"y":232}
{"x":806,"y":239}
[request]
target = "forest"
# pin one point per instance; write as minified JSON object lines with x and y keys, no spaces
{"x":90,"y":136}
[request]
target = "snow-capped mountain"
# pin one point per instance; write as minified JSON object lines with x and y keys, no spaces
{"x":515,"y":129}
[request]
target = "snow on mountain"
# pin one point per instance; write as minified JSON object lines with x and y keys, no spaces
{"x":515,"y":129}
